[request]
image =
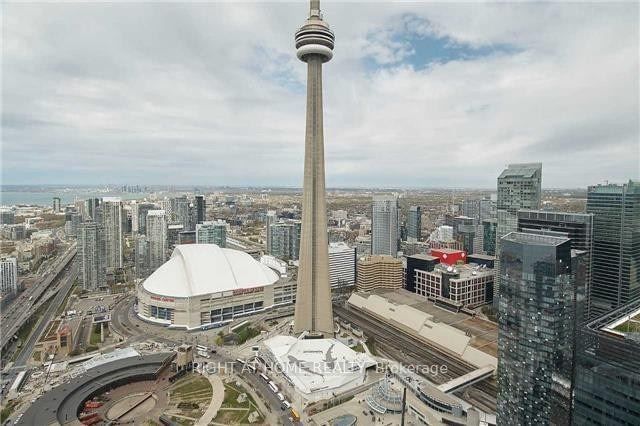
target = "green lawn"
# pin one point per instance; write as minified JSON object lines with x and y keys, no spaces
{"x":232,"y":412}
{"x":246,"y":332}
{"x":7,"y":410}
{"x":95,"y":335}
{"x":629,"y":327}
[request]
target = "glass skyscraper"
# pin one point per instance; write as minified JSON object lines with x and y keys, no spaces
{"x":519,"y":187}
{"x":212,"y":233}
{"x":607,"y":379}
{"x":536,"y":329}
{"x":414,"y":224}
{"x":201,"y":209}
{"x":616,"y":245}
{"x":576,"y":226}
{"x":489,"y":227}
{"x":92,"y":255}
{"x":285,"y":239}
{"x":385,"y":228}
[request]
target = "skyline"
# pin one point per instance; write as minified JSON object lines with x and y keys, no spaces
{"x":517,"y":83}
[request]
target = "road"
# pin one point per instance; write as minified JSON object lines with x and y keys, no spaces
{"x":22,"y":307}
{"x":27,"y":347}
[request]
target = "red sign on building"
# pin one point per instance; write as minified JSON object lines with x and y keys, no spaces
{"x":450,"y":256}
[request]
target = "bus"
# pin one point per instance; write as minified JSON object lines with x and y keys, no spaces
{"x":273,"y":387}
{"x":241,"y":361}
{"x":295,"y":417}
{"x":264,"y":377}
{"x":201,"y":348}
{"x":203,"y":354}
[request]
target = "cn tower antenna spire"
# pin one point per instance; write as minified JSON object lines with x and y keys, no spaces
{"x":313,"y":311}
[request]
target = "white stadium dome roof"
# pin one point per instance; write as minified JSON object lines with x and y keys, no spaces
{"x":197,"y":269}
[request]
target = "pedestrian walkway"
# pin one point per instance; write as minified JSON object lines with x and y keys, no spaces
{"x":216,"y":400}
{"x":269,"y":417}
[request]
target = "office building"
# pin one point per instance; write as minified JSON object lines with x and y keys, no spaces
{"x":91,"y":207}
{"x":465,"y":231}
{"x":156,"y":238}
{"x":173,"y":234}
{"x":615,"y":278}
{"x":92,"y":255}
{"x":271,"y":218}
{"x":179,"y":212}
{"x":285,"y":240}
{"x":414,"y":224}
{"x":113,"y":222}
{"x":141,"y":254}
{"x":443,"y":233}
{"x":342,"y":265}
{"x":7,"y":216}
{"x":519,"y":187}
{"x":423,"y":262}
{"x":8,"y":275}
{"x":578,"y":227}
{"x":379,"y":272}
{"x":187,"y":237}
{"x":478,"y":209}
{"x":72,"y":223}
{"x":201,"y":209}
{"x":489,"y":229}
{"x":384,"y":225}
{"x":212,"y":233}
{"x":56,"y":205}
{"x":140,"y":212}
{"x":607,"y":377}
{"x":456,"y":286}
{"x":536,"y":329}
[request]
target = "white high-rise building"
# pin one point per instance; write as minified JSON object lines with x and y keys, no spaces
{"x":384,"y":225}
{"x":8,"y":275}
{"x":156,"y":238}
{"x":342,"y":265}
{"x":112,"y":221}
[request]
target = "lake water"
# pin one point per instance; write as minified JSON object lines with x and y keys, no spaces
{"x":9,"y":198}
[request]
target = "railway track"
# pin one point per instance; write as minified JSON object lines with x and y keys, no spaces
{"x":416,"y":353}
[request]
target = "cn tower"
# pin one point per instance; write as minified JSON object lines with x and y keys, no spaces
{"x":314,"y":44}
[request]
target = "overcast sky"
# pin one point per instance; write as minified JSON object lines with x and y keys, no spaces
{"x":417,"y":95}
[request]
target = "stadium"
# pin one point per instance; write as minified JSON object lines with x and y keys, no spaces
{"x":204,"y":286}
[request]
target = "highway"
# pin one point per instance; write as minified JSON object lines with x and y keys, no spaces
{"x":50,"y":313}
{"x":17,"y":313}
{"x":27,"y":347}
{"x":419,"y":353}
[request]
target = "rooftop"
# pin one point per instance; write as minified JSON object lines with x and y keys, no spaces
{"x":535,"y":239}
{"x":198,"y":269}
{"x":318,"y":366}
{"x":423,"y":256}
{"x":526,"y":170}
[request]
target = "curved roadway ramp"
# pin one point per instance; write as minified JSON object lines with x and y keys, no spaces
{"x":61,"y":404}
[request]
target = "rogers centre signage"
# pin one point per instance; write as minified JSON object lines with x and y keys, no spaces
{"x":162,"y":299}
{"x":242,"y":291}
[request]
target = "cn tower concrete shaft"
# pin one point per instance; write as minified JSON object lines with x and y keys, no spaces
{"x":313,"y":312}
